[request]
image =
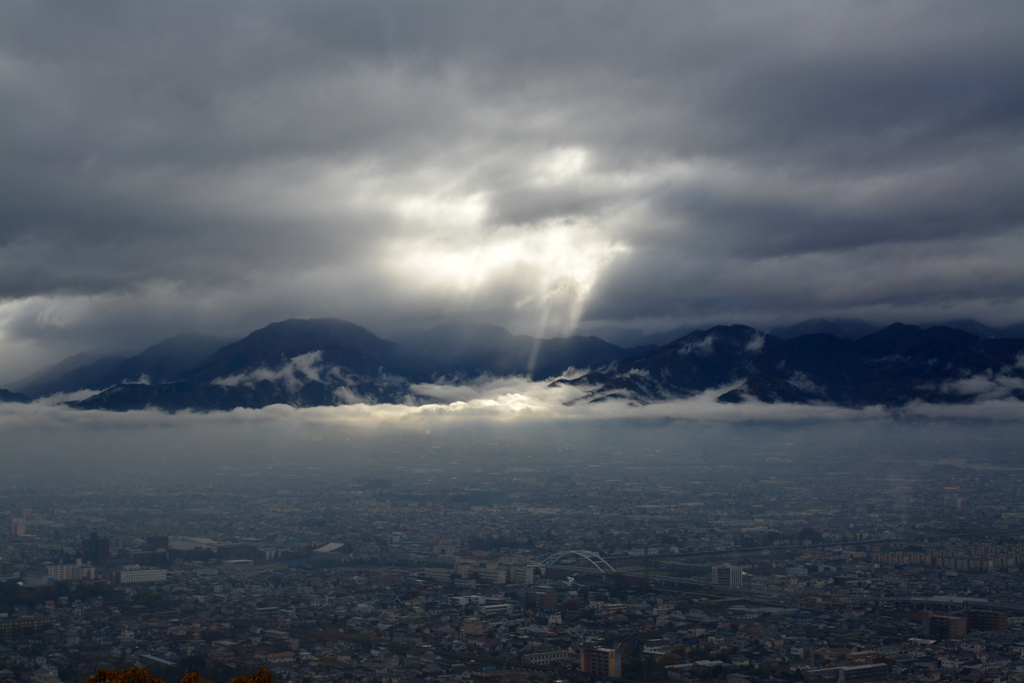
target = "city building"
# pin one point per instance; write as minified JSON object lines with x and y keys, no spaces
{"x":862,"y":673}
{"x":546,"y":658}
{"x":944,"y":625}
{"x":71,"y":572}
{"x":986,"y":620}
{"x":95,"y":549}
{"x":601,"y":661}
{"x":136,"y":574}
{"x":727,"y":575}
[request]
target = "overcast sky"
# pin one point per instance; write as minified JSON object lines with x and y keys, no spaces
{"x":553,"y":167}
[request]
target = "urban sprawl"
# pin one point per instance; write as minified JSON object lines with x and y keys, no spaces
{"x":738,"y":572}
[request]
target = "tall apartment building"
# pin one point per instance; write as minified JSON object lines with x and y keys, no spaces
{"x":987,"y":620}
{"x":727,"y":575}
{"x":944,"y":625}
{"x":525,"y":574}
{"x":95,"y":549}
{"x":601,"y":661}
{"x":956,"y":624}
{"x":71,"y":572}
{"x":542,"y":597}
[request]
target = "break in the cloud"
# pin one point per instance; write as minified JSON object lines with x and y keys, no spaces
{"x":548,"y":167}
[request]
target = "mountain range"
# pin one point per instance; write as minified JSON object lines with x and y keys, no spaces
{"x":159,"y":363}
{"x":320,"y":362}
{"x":891,"y":367}
{"x":851,"y":328}
{"x":847,"y":328}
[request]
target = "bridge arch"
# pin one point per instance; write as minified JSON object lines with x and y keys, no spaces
{"x":593,"y":558}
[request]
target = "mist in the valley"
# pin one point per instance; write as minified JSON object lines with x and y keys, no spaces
{"x":282,"y":454}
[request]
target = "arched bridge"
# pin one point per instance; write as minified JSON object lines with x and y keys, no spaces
{"x":593,"y":558}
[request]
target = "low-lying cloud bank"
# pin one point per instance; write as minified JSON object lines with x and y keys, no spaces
{"x":507,"y":399}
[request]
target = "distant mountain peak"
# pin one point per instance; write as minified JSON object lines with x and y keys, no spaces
{"x":889,"y":367}
{"x":329,"y":361}
{"x":846,"y":328}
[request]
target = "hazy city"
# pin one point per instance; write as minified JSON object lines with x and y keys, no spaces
{"x":462,"y":558}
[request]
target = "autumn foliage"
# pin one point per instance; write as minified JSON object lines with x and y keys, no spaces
{"x":139,"y":675}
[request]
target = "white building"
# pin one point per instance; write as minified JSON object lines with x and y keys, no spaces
{"x":71,"y":572}
{"x":727,"y":575}
{"x":525,"y":574}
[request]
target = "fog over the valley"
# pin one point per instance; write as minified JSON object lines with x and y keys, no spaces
{"x":57,"y":445}
{"x":491,"y":426}
{"x":515,"y":401}
{"x":590,"y":167}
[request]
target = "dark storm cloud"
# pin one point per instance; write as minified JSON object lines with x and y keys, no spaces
{"x":217,"y":167}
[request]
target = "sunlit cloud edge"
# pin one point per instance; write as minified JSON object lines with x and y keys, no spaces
{"x":512,"y":400}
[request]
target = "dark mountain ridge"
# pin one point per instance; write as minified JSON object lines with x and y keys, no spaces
{"x":158,"y":363}
{"x":851,"y":328}
{"x":54,"y":371}
{"x":891,"y":367}
{"x":846,"y":328}
{"x":13,"y":397}
{"x":329,"y":362}
{"x":347,"y":344}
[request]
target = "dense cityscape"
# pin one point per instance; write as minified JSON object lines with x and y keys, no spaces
{"x":767,"y":569}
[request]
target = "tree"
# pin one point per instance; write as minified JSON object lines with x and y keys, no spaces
{"x":807,"y":534}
